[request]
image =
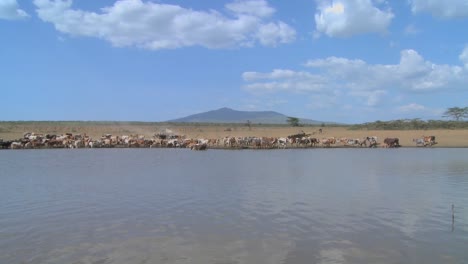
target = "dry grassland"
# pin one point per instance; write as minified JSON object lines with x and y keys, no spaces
{"x":15,"y":130}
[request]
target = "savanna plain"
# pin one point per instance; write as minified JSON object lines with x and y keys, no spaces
{"x":15,"y":130}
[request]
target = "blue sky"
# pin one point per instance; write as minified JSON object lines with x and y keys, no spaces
{"x":346,"y":61}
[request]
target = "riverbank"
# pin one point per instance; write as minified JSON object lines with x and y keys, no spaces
{"x":95,"y":130}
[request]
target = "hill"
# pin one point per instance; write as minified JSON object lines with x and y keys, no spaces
{"x":227,"y":115}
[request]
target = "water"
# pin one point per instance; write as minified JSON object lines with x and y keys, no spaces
{"x":285,"y":206}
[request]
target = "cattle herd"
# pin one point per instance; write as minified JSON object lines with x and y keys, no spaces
{"x":68,"y":140}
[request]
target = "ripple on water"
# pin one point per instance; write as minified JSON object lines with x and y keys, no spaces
{"x":178,"y":206}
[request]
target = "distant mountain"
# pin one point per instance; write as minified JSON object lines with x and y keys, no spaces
{"x":227,"y":115}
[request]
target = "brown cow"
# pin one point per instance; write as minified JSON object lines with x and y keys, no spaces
{"x":313,"y":141}
{"x":429,"y":140}
{"x":392,"y":142}
{"x":328,"y":141}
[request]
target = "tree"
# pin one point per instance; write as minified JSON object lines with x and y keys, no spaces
{"x":293,"y":121}
{"x":456,"y":113}
{"x":249,"y":124}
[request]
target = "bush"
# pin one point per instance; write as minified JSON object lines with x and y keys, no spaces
{"x":411,"y":124}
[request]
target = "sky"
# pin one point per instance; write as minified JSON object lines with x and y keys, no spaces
{"x":348,"y":61}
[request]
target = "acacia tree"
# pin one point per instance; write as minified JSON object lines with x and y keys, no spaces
{"x":293,"y":121}
{"x":457,"y":113}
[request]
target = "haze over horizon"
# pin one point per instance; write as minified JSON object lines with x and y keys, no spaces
{"x":345,"y":61}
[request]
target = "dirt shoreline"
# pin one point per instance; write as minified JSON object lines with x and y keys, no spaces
{"x":445,"y":138}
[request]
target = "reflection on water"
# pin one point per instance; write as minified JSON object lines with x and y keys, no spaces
{"x":288,"y":206}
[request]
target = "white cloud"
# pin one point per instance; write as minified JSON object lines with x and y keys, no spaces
{"x":276,"y":74}
{"x":163,"y":26}
{"x":371,"y":98}
{"x":442,"y":9}
{"x":413,"y":72}
{"x":259,"y":8}
{"x":272,"y":34}
{"x":464,"y":57}
{"x":411,"y":30}
{"x":289,"y":86}
{"x":345,"y":18}
{"x":413,"y":107}
{"x":367,"y":84}
{"x":283,"y":80}
{"x":419,"y":110}
{"x":9,"y":10}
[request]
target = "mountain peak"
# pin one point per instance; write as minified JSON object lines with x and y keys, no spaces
{"x":225,"y":109}
{"x":228,"y":115}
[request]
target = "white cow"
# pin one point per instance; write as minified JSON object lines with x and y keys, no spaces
{"x":282,"y":142}
{"x":16,"y":145}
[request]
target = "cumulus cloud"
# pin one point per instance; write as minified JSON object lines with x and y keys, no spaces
{"x":164,"y":26}
{"x":413,"y":107}
{"x":413,"y":73}
{"x":283,"y":80}
{"x":10,"y":10}
{"x":443,"y":9}
{"x":272,"y":34}
{"x":345,"y":18}
{"x":363,"y":82}
{"x":464,"y":57}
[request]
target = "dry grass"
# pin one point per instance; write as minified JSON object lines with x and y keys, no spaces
{"x":14,"y":130}
{"x":444,"y":137}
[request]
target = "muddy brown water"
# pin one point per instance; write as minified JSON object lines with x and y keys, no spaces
{"x":245,"y":206}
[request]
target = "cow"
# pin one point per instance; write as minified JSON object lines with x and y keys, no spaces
{"x":5,"y":144}
{"x":327,"y":142}
{"x":173,"y":143}
{"x":213,"y":142}
{"x":160,"y":136}
{"x":429,"y":140}
{"x":268,"y":141}
{"x":256,"y":142}
{"x":157,"y":142}
{"x":240,"y":141}
{"x":392,"y":142}
{"x":342,"y":140}
{"x":78,"y":144}
{"x":54,"y":143}
{"x":293,"y":141}
{"x":50,"y":136}
{"x":363,"y":142}
{"x":296,"y":138}
{"x":231,"y":141}
{"x":198,"y":146}
{"x":282,"y":142}
{"x":95,"y":144}
{"x":372,"y":141}
{"x":355,"y":142}
{"x":419,"y":142}
{"x":16,"y":145}
{"x":37,"y":143}
{"x":314,"y":141}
